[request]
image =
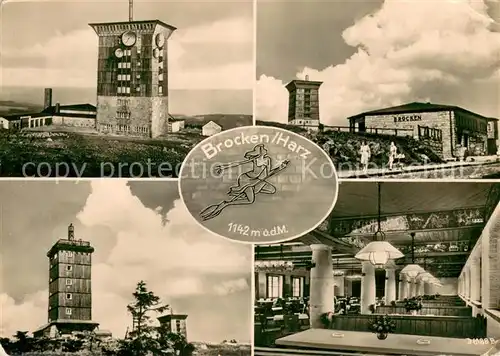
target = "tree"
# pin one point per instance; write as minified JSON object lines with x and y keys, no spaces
{"x":146,"y":302}
{"x":143,"y":337}
{"x":23,"y":342}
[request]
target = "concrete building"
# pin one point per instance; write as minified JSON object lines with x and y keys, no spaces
{"x":176,"y":323}
{"x":70,"y":291}
{"x":445,"y":128}
{"x":78,"y":115}
{"x":210,"y":128}
{"x":132,"y":80}
{"x":303,"y":104}
{"x":175,"y":125}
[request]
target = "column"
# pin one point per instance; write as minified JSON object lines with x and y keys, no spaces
{"x":413,"y":286}
{"x":468,"y":283}
{"x":321,"y":284}
{"x":427,"y":288}
{"x":405,"y":289}
{"x":390,"y":285}
{"x":475,"y":279}
{"x":339,"y":283}
{"x":368,"y":295}
{"x":420,"y":287}
{"x":261,"y":284}
{"x":492,"y":282}
{"x":348,"y":287}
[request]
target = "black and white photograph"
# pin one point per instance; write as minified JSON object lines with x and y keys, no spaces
{"x":120,"y":88}
{"x":399,"y":268}
{"x":116,"y":267}
{"x":398,"y":89}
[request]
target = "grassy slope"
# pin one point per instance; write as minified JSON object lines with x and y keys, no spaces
{"x":77,"y":149}
{"x":99,"y":153}
{"x":345,"y":147}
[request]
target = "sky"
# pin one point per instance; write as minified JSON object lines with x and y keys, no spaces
{"x":46,"y":43}
{"x":140,"y":231}
{"x":376,"y":54}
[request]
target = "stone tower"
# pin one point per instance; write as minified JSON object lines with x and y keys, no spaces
{"x":70,"y":290}
{"x":303,"y":104}
{"x":132,"y":77}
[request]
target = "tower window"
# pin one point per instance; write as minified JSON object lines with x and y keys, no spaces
{"x":68,"y":311}
{"x":70,"y":253}
{"x":69,"y":296}
{"x":69,"y":268}
{"x":69,"y":282}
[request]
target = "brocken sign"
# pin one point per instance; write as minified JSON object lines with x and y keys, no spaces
{"x":407,"y":118}
{"x":258,"y":184}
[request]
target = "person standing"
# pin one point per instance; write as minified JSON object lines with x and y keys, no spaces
{"x":365,"y":156}
{"x":393,"y":151}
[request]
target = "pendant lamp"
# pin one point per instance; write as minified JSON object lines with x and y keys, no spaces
{"x":378,"y":252}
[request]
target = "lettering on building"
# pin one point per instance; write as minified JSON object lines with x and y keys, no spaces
{"x":407,"y":118}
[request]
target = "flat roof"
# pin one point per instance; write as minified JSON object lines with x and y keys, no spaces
{"x":158,"y":22}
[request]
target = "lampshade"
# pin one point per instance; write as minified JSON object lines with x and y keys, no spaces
{"x":378,"y":253}
{"x":425,"y":276}
{"x":412,"y":270}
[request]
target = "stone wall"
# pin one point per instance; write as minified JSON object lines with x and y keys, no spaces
{"x":148,"y":116}
{"x":442,"y":120}
{"x":73,"y":121}
{"x":435,"y":145}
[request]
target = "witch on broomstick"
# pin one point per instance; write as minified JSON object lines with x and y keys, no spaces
{"x":250,"y":183}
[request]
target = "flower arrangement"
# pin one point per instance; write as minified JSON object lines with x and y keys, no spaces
{"x":327,"y":319}
{"x":382,"y":326}
{"x":413,"y":304}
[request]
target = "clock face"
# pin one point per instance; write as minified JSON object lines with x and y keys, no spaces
{"x":160,"y":40}
{"x":118,"y":53}
{"x":129,"y":38}
{"x":156,"y":52}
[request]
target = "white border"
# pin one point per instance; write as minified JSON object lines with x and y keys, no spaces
{"x":266,"y":128}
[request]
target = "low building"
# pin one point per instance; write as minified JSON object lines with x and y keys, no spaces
{"x":78,"y":115}
{"x":25,"y":120}
{"x":175,"y":125}
{"x":445,"y":128}
{"x":211,"y":128}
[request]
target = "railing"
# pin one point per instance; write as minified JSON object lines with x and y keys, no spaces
{"x":429,"y":310}
{"x":371,"y":130}
{"x":73,"y":242}
{"x":441,"y":326}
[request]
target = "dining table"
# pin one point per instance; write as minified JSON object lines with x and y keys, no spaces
{"x":395,"y":344}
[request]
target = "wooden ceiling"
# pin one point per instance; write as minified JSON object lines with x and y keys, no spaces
{"x":446,"y":218}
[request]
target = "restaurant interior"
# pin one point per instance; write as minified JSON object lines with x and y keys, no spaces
{"x":398,"y":268}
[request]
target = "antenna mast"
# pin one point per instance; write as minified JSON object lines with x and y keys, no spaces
{"x":131,"y":10}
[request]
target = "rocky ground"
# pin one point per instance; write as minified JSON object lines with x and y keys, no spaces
{"x":69,"y":154}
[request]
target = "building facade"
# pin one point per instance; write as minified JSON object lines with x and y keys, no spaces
{"x":176,"y":323}
{"x":303,"y":104}
{"x":175,"y":125}
{"x":210,"y":128}
{"x":446,"y":129}
{"x":77,"y":116}
{"x":70,"y":290}
{"x":132,"y":78}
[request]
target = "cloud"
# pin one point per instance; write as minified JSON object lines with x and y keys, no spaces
{"x":447,"y":45}
{"x":58,"y":62}
{"x":177,"y":259}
